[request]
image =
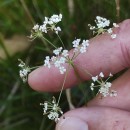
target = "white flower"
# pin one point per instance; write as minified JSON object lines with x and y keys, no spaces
{"x":104,"y":91}
{"x":57,"y":63}
{"x":43,"y":28}
{"x":62,"y":70}
{"x":53,"y":58}
{"x":57,"y":29}
{"x":46,"y":20}
{"x":104,"y":86}
{"x":53,"y":116}
{"x":36,"y":27}
{"x":95,"y":78}
{"x":52,"y":109}
{"x":102,"y":22}
{"x":48,"y":24}
{"x":101,"y":75}
{"x":109,"y":30}
{"x":22,"y":64}
{"x":62,"y":60}
{"x":47,"y":62}
{"x":76,"y":43}
{"x":115,"y":25}
{"x":62,"y":56}
{"x":113,"y":36}
{"x":92,"y":85}
{"x":82,"y":49}
{"x":55,"y":18}
{"x":85,"y":43}
{"x":110,"y":75}
{"x":91,"y":27}
{"x":65,"y":53}
{"x":45,"y":107}
{"x":108,"y":85}
{"x":57,"y":51}
{"x":23,"y":73}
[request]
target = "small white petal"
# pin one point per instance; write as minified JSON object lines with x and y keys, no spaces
{"x":101,"y":75}
{"x":115,"y":25}
{"x":110,"y":75}
{"x":95,"y":78}
{"x":113,"y":36}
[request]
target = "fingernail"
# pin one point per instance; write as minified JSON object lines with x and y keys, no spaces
{"x":72,"y":123}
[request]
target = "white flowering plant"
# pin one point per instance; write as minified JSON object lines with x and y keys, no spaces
{"x":102,"y":26}
{"x":61,"y":57}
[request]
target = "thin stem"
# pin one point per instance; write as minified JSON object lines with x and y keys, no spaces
{"x":35,"y":3}
{"x":34,"y":67}
{"x":99,"y":81}
{"x":75,"y":55}
{"x":49,"y":42}
{"x":107,"y":79}
{"x":76,"y":72}
{"x":27,"y":11}
{"x":63,"y":84}
{"x":61,"y":41}
{"x":118,"y":9}
{"x":68,"y":95}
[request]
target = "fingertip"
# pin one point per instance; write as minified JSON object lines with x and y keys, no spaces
{"x":50,"y":80}
{"x":34,"y":80}
{"x":42,"y":79}
{"x":72,"y":123}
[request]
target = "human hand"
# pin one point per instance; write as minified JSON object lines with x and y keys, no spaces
{"x":104,"y":55}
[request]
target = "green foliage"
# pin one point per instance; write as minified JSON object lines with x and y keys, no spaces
{"x":19,"y":104}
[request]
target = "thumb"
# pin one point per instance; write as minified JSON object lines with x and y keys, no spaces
{"x":95,"y":118}
{"x":72,"y":123}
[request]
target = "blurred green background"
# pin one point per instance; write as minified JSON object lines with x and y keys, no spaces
{"x":19,"y":104}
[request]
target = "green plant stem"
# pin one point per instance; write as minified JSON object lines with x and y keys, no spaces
{"x":49,"y":42}
{"x":76,"y":72}
{"x":63,"y":84}
{"x":35,"y":67}
{"x":27,"y":11}
{"x":61,"y":41}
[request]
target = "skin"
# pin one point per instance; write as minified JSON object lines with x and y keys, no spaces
{"x":104,"y":55}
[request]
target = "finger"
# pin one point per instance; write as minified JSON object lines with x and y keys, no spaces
{"x":104,"y":55}
{"x":122,"y":100}
{"x":95,"y":118}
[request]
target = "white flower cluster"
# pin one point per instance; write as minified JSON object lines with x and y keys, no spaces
{"x":23,"y":71}
{"x":61,"y":56}
{"x":52,"y":109}
{"x":49,"y":24}
{"x":58,"y":60}
{"x":81,"y":48}
{"x":104,"y":86}
{"x":101,"y":24}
